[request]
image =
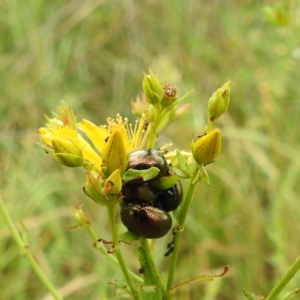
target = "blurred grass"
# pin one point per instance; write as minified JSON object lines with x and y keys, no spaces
{"x":91,"y":54}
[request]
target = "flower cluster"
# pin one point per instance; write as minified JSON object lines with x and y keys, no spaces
{"x":104,"y":151}
{"x":105,"y":157}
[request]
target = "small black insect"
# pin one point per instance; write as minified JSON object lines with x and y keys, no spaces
{"x":147,"y":221}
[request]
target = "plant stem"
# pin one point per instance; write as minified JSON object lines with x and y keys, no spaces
{"x":25,"y":252}
{"x":152,"y":135}
{"x":181,"y":220}
{"x":150,"y":273}
{"x":103,"y":250}
{"x":294,"y":268}
{"x":112,"y":215}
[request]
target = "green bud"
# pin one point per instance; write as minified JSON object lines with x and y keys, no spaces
{"x":218,"y":102}
{"x":93,"y":187}
{"x":113,"y":184}
{"x":80,"y":216}
{"x":207,"y":148}
{"x":139,"y":106}
{"x":67,"y":153}
{"x":66,"y":115}
{"x":153,"y":88}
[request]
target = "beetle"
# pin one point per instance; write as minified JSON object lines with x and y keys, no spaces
{"x":139,"y":194}
{"x":170,"y":199}
{"x":144,"y":159}
{"x":147,"y":221}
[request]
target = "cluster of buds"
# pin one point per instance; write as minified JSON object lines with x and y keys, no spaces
{"x":162,"y":102}
{"x":209,"y":145}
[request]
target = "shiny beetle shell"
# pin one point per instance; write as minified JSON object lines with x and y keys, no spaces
{"x":170,"y":199}
{"x":147,"y":221}
{"x":144,"y":159}
{"x":140,"y":194}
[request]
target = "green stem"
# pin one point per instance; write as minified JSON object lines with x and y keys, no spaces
{"x":103,"y":250}
{"x":152,"y":135}
{"x":151,"y":276}
{"x":190,"y":190}
{"x":112,"y":215}
{"x":294,"y":268}
{"x":25,"y":252}
{"x":209,"y":125}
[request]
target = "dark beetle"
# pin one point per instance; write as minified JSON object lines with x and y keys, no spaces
{"x":144,"y":159}
{"x":141,"y":194}
{"x":170,"y":199}
{"x":147,"y":221}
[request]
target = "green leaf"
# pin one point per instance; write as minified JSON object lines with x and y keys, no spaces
{"x":290,"y":295}
{"x":180,"y":174}
{"x":164,"y":183}
{"x":132,"y":174}
{"x":183,"y":165}
{"x":128,"y":237}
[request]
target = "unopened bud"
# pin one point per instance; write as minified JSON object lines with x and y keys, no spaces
{"x":114,"y":155}
{"x":207,"y":148}
{"x":153,"y":88}
{"x":67,"y":152}
{"x":66,"y":116}
{"x":218,"y":102}
{"x":139,"y":106}
{"x":113,"y":184}
{"x":93,"y":187}
{"x":80,"y":216}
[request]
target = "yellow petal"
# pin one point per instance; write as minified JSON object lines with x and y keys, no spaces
{"x":96,"y":134}
{"x":88,"y":152}
{"x":45,"y":135}
{"x":114,"y":155}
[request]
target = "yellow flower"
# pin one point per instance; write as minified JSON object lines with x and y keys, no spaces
{"x":133,"y":137}
{"x":104,"y":153}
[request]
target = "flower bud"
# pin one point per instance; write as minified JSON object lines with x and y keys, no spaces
{"x":113,"y":184}
{"x":67,"y":153}
{"x":152,"y":88}
{"x":207,"y":148}
{"x":114,"y":154}
{"x":93,"y":187}
{"x":66,"y":116}
{"x":219,"y":101}
{"x":80,"y":216}
{"x":139,"y":106}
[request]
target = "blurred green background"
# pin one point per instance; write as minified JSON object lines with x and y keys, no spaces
{"x":92,"y":54}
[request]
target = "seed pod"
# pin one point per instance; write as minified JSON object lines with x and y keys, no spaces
{"x":170,"y":199}
{"x":144,"y":159}
{"x":147,"y":221}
